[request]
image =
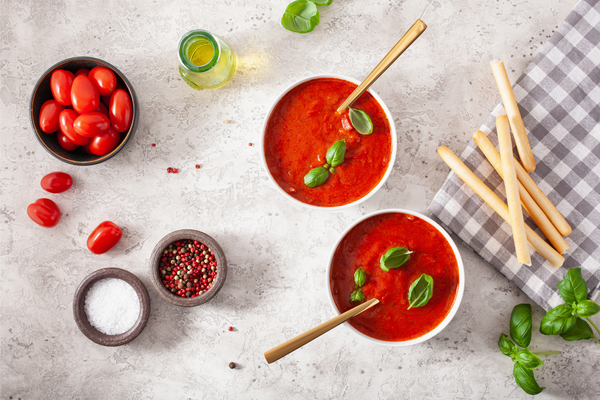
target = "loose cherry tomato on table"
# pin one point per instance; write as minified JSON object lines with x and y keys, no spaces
{"x":104,"y":144}
{"x":61,"y":82}
{"x":104,"y":79}
{"x":120,"y":110}
{"x":66,"y":119}
{"x":49,"y":114}
{"x":91,"y":124}
{"x":104,"y":237}
{"x":84,"y":95}
{"x":64,"y":142}
{"x":44,"y":212}
{"x":56,"y":182}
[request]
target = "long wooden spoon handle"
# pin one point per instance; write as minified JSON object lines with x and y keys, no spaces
{"x":286,"y":348}
{"x":405,"y":41}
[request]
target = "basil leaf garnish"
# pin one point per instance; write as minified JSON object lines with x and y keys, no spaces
{"x":300,"y":16}
{"x":581,"y":330}
{"x":527,"y":359}
{"x":587,"y":308}
{"x":360,"y":121}
{"x":335,"y":154}
{"x":357,"y":296}
{"x":521,"y":323}
{"x":394,"y":258}
{"x":558,"y":320}
{"x":360,"y":277}
{"x":316,"y":176}
{"x":420,"y":291}
{"x":322,"y":3}
{"x":507,"y":347}
{"x":526,"y":380}
{"x":573,"y":288}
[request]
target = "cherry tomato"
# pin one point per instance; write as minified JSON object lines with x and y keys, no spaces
{"x":84,"y":95}
{"x":64,"y":142}
{"x":120,"y":110}
{"x":82,"y":71}
{"x":49,"y":114}
{"x":106,"y":99}
{"x":102,"y":109}
{"x":104,"y":79}
{"x":91,"y":124}
{"x":104,"y":237}
{"x":104,"y":144}
{"x":61,"y":82}
{"x":56,"y":182}
{"x":66,"y":119}
{"x":44,"y":212}
{"x":86,"y":148}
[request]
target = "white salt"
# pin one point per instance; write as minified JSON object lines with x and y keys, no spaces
{"x":112,"y":306}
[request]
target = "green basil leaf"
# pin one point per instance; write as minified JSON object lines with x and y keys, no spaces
{"x":558,"y":320}
{"x":527,"y":359}
{"x":357,"y":296}
{"x":300,"y":16}
{"x":521,"y":324}
{"x":581,"y":330}
{"x":420,"y":291}
{"x":316,"y":176}
{"x":573,"y":288}
{"x":360,"y":277}
{"x":360,"y":121}
{"x":394,"y":258}
{"x":507,"y":347}
{"x":322,"y":2}
{"x":335,"y":154}
{"x":526,"y":380}
{"x":587,"y":308}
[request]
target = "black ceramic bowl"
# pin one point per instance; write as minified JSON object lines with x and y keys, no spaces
{"x":42,"y":93}
{"x":81,"y":317}
{"x":183,"y":235}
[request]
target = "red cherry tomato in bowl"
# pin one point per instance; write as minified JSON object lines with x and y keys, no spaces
{"x":49,"y":114}
{"x":104,"y":79}
{"x":44,"y":212}
{"x":102,"y":109}
{"x":66,"y":119}
{"x":84,"y":95}
{"x":104,"y":237}
{"x":91,"y":124}
{"x":56,"y":182}
{"x":120,"y":110}
{"x":64,"y":142}
{"x":82,"y":71}
{"x":61,"y":82}
{"x":104,"y":144}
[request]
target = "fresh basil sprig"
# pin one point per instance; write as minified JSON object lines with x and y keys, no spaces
{"x":335,"y":154}
{"x":316,"y":176}
{"x":334,"y":157}
{"x":420,"y":291}
{"x":565,"y":319}
{"x":359,"y":280}
{"x":357,"y":296}
{"x":302,"y":16}
{"x":394,"y":258}
{"x":525,"y":379}
{"x":360,"y":121}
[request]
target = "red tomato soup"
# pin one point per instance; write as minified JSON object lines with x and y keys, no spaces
{"x":363,"y":247}
{"x":302,"y":127}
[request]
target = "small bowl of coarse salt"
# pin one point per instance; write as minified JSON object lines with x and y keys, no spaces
{"x":111,"y":306}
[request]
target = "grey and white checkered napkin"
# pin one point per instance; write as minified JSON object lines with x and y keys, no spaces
{"x":559,"y":99}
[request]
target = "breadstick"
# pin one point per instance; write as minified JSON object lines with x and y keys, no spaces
{"x":536,"y":213}
{"x":512,"y":191}
{"x":514,"y":115}
{"x":497,"y":205}
{"x":545,"y":204}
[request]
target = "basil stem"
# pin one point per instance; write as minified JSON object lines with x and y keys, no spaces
{"x":573,"y":288}
{"x":316,"y":176}
{"x":335,"y":154}
{"x":521,"y":324}
{"x":581,"y":330}
{"x":394,"y":258}
{"x":420,"y":291}
{"x":357,"y":296}
{"x":300,"y":16}
{"x":558,"y":320}
{"x":360,"y":277}
{"x":360,"y":121}
{"x":526,"y":380}
{"x":507,"y":347}
{"x":587,"y":308}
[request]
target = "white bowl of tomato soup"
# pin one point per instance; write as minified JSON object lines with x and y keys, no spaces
{"x":303,"y":124}
{"x":392,"y":322}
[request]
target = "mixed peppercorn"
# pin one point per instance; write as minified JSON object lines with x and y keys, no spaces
{"x":188,"y":268}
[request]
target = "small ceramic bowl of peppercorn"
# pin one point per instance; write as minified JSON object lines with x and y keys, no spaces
{"x":188,"y":268}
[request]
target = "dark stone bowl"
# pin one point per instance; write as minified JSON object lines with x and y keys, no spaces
{"x":81,"y":317}
{"x":192,"y":235}
{"x":42,"y":93}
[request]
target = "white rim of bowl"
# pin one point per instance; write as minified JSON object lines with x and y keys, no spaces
{"x":354,"y":203}
{"x":459,"y":293}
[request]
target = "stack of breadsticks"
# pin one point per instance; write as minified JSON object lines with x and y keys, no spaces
{"x":520,"y":187}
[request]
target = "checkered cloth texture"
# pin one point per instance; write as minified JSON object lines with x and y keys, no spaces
{"x":559,"y":99}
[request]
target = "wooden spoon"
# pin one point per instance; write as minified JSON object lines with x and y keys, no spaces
{"x":286,"y":348}
{"x":404,"y":43}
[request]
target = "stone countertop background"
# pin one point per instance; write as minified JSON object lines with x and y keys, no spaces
{"x":439,"y":92}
